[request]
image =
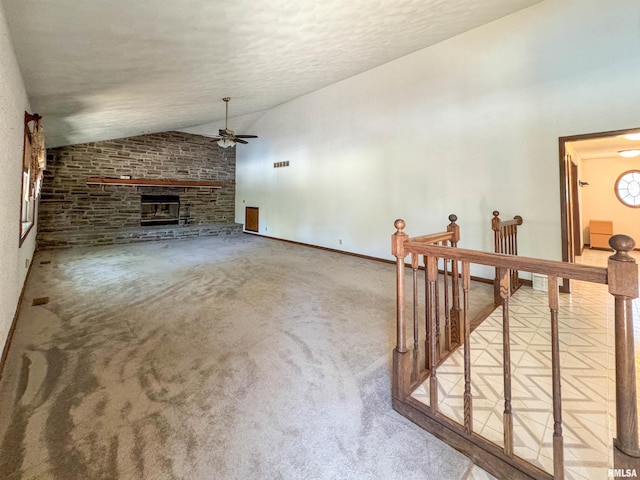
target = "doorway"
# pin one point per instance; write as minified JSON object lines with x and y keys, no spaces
{"x":574,"y":149}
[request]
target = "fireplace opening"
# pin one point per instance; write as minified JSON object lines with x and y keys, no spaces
{"x":159,"y":210}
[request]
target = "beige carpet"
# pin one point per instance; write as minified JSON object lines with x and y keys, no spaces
{"x":215,"y":358}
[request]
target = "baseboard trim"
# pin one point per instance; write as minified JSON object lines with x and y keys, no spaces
{"x":7,"y":344}
{"x":326,"y":249}
{"x":360,"y":255}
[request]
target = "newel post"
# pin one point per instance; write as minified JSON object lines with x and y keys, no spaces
{"x":496,"y":223}
{"x":397,"y":250}
{"x":623,"y":285}
{"x":455,"y":228}
{"x":401,"y":375}
{"x":456,"y":331}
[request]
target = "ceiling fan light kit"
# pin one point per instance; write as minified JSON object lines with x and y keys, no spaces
{"x":227,"y":138}
{"x":225,"y":142}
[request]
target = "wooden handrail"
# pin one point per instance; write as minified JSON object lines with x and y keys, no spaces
{"x":433,"y":238}
{"x":497,"y":224}
{"x":452,"y":235}
{"x":585,"y":273}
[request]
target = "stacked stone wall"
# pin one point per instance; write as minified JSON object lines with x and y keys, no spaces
{"x":73,"y":213}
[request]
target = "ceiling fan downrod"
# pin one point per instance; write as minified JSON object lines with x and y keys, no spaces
{"x":226,"y":114}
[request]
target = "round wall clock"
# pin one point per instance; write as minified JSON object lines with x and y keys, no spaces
{"x":628,"y":188}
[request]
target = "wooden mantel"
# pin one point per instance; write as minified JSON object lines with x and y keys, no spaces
{"x":145,"y":182}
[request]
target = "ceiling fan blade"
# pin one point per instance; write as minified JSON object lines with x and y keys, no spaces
{"x":246,"y":136}
{"x":239,"y":140}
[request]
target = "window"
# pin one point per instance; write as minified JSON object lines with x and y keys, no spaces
{"x":628,"y":188}
{"x":33,"y":165}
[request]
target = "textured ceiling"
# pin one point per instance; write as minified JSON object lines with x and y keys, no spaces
{"x":99,"y":69}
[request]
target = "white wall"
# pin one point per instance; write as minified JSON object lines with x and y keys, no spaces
{"x":599,"y":198}
{"x":13,"y":103}
{"x":466,"y":126}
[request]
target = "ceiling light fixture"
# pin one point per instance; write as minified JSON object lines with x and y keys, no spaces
{"x":632,"y":136}
{"x":225,"y":142}
{"x":629,"y":153}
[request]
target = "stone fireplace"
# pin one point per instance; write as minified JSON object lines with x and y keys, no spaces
{"x":150,"y":187}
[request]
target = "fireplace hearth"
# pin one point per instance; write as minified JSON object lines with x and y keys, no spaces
{"x":159,"y":210}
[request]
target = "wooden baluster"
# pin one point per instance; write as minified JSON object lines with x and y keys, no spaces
{"x":427,"y":316}
{"x":513,"y":240}
{"x":414,"y":265}
{"x":456,"y":331}
{"x":505,"y":293}
{"x":436,"y":307}
{"x":507,"y":240}
{"x":558,"y":449}
{"x":497,"y":233}
{"x":447,"y":313}
{"x":415,"y":365}
{"x":432,"y":272}
{"x":623,"y":285}
{"x":516,"y":280}
{"x":468,"y":397}
{"x":512,"y":249}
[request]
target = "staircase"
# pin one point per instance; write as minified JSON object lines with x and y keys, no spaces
{"x":441,"y":332}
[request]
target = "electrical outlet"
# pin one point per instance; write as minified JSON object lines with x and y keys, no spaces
{"x":340,"y":241}
{"x":26,"y":263}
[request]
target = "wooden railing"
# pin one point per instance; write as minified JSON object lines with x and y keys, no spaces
{"x":505,"y":240}
{"x":434,"y":349}
{"x":621,"y":276}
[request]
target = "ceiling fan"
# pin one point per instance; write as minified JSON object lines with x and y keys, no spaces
{"x":227,"y":138}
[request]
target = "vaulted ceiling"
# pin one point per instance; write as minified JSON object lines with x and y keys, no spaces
{"x":105,"y":69}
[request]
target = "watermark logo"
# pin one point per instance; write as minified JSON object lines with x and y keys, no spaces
{"x":622,"y":473}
